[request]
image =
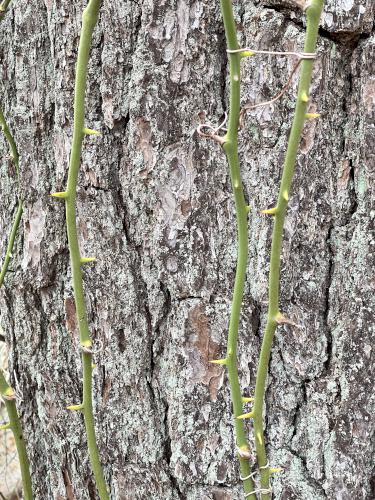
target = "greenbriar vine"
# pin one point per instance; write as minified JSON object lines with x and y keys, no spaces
{"x":229,"y":143}
{"x":6,"y":392}
{"x":89,"y":20}
{"x":14,"y":424}
{"x":3,"y":8}
{"x":17,"y":218}
{"x":275,"y":317}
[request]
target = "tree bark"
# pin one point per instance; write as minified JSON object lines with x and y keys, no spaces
{"x":156,"y":208}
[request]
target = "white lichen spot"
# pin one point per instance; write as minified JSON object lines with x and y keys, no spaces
{"x":345,"y":5}
{"x":328,"y":19}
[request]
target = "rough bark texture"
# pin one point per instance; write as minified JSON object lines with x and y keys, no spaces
{"x":155,"y":207}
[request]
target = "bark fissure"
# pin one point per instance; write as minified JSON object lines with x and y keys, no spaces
{"x":154,"y":66}
{"x":168,"y":456}
{"x":326,"y":313}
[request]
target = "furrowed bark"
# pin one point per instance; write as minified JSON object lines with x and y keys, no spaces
{"x":177,"y":211}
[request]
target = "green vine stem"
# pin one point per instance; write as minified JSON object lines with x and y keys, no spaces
{"x":89,"y":20}
{"x":6,"y":390}
{"x":3,"y":8}
{"x":275,"y":318}
{"x":17,"y":218}
{"x":7,"y":394}
{"x":230,"y":146}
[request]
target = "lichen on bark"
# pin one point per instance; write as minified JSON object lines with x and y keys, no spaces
{"x":156,"y":202}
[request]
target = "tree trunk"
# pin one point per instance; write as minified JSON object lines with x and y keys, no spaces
{"x":155,"y":207}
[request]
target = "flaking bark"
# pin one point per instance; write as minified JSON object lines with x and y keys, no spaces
{"x":155,"y":207}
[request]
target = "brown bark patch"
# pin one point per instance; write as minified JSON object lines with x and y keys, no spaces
{"x":68,"y":486}
{"x":71,"y":316}
{"x":145,"y":145}
{"x":343,"y":179}
{"x":205,"y":372}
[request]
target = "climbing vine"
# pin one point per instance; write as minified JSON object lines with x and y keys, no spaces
{"x":7,"y":393}
{"x":89,"y":20}
{"x":229,"y":143}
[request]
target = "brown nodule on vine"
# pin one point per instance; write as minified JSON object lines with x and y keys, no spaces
{"x":10,"y":397}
